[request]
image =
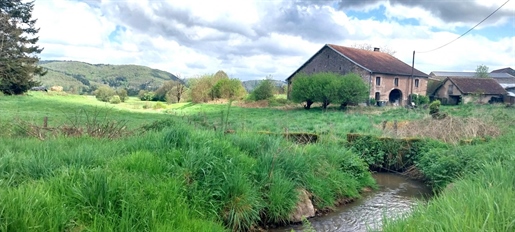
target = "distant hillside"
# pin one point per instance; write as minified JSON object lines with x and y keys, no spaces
{"x":80,"y":77}
{"x":252,"y":84}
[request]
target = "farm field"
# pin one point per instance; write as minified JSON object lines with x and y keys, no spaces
{"x":105,"y":167}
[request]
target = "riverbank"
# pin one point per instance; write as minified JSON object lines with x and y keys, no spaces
{"x":170,"y":177}
{"x":98,"y":168}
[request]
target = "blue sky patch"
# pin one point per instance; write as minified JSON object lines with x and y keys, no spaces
{"x":114,"y":35}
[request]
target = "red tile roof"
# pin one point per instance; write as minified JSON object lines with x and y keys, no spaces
{"x":377,"y":62}
{"x":469,"y":85}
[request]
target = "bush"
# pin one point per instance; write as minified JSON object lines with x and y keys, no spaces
{"x":122,"y":94}
{"x":145,"y":95}
{"x":419,"y":99}
{"x":231,"y":89}
{"x":104,"y":93}
{"x":264,"y":91}
{"x":434,"y":107}
{"x":115,"y":99}
{"x":159,"y":105}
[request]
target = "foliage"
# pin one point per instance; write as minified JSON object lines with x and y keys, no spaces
{"x":303,"y":90}
{"x":210,"y":87}
{"x":122,"y":93}
{"x":419,"y":100}
{"x":104,"y":93}
{"x":146,"y":95}
{"x":264,"y":91}
{"x":226,"y":88}
{"x":384,"y":153}
{"x":328,"y":88}
{"x":115,"y":99}
{"x":201,"y":88}
{"x":18,"y":49}
{"x":169,"y":91}
{"x":352,"y":90}
{"x":482,"y":71}
{"x":434,"y":107}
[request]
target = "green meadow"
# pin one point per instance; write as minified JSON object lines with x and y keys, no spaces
{"x":146,"y":166}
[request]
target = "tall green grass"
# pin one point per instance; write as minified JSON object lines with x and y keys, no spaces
{"x":173,"y":179}
{"x":483,"y":201}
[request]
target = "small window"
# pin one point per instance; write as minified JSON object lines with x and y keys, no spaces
{"x":340,"y":68}
{"x":378,"y":81}
{"x":313,"y":69}
{"x":327,"y":56}
{"x":396,"y":82}
{"x":416,"y":83}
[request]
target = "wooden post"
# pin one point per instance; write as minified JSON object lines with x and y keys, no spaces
{"x":45,"y":122}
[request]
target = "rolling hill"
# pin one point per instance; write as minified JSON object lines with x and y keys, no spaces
{"x":81,"y":77}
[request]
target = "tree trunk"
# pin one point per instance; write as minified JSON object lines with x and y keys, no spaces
{"x":308,"y":104}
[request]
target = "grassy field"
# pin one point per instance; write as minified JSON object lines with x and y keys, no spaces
{"x":166,"y":168}
{"x":165,"y":176}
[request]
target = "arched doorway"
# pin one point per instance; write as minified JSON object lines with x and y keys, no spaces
{"x":395,"y":97}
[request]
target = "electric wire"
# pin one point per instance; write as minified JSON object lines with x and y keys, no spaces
{"x":468,"y":30}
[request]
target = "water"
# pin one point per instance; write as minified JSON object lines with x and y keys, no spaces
{"x":395,"y":197}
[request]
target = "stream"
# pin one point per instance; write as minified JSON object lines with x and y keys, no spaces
{"x":395,"y":197}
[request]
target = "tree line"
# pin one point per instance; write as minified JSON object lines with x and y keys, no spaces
{"x":328,"y":88}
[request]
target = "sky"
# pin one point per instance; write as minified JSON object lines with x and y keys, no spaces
{"x":256,"y":39}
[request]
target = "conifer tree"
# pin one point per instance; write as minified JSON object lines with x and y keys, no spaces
{"x":18,"y":49}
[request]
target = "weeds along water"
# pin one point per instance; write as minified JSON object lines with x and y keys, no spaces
{"x":176,"y":179}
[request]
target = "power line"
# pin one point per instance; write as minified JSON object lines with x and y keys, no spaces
{"x":468,"y":30}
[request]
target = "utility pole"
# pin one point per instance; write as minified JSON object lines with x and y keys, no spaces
{"x":411,"y":86}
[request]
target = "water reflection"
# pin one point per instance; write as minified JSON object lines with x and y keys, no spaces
{"x":395,"y":197}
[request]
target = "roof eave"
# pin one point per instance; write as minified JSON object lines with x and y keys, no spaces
{"x":302,"y":66}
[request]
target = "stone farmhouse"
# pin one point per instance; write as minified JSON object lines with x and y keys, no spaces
{"x":456,"y":90}
{"x":389,"y":79}
{"x":503,"y":79}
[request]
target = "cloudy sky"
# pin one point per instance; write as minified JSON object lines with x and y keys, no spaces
{"x":257,"y":38}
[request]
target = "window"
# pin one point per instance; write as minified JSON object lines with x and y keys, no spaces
{"x":416,"y":83}
{"x":450,"y":90}
{"x":378,"y":81}
{"x":396,"y":82}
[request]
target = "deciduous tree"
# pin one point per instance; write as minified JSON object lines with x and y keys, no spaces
{"x":482,"y":71}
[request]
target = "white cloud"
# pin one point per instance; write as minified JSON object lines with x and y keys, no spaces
{"x":253,"y":39}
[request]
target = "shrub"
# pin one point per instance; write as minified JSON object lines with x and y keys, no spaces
{"x":419,"y":99}
{"x":159,"y":105}
{"x":434,"y":107}
{"x":104,"y":93}
{"x":264,"y":91}
{"x":145,"y":95}
{"x":122,"y":94}
{"x":115,"y":99}
{"x":231,"y":89}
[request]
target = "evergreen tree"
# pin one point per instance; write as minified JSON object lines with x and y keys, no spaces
{"x":18,"y":49}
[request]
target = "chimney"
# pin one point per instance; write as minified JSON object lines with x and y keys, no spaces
{"x":376,"y":49}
